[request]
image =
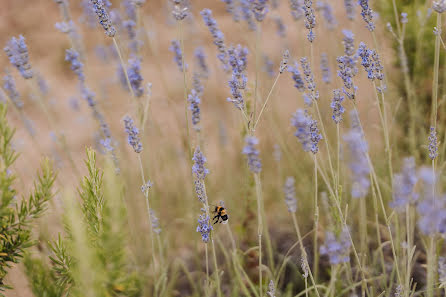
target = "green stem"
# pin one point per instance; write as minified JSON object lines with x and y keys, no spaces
{"x":266,"y":101}
{"x":181,"y":38}
{"x":146,"y":196}
{"x":316,"y":222}
{"x":259,"y":227}
{"x":436,"y":71}
{"x":124,"y":68}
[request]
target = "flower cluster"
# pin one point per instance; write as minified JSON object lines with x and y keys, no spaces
{"x":281,"y":28}
{"x":135,"y":78}
{"x":146,"y":187}
{"x":271,"y":289}
{"x":359,"y":165}
{"x":439,"y":6}
{"x":104,"y":18}
{"x":247,"y":15}
{"x":325,"y":68}
{"x":367,"y":14}
{"x":259,"y":9}
{"x":337,"y":249}
{"x":238,"y":62}
{"x":290,"y":194}
{"x":252,"y":154}
{"x":198,"y":167}
{"x":307,"y":131}
{"x":371,"y":62}
{"x":404,"y":184}
{"x":200,"y":58}
{"x":132,"y":135}
{"x":297,"y":77}
{"x":17,"y":52}
{"x":347,"y":65}
{"x":77,"y":66}
{"x":219,"y":39}
{"x":194,"y":107}
{"x":179,"y":11}
{"x":11,"y":91}
{"x":178,"y":58}
{"x":284,"y":62}
{"x":336,"y":105}
{"x":204,"y":226}
{"x":327,"y":13}
{"x":350,"y":9}
{"x":433,"y":145}
{"x":155,"y":222}
{"x":309,"y":79}
{"x":310,"y":19}
{"x":296,"y":8}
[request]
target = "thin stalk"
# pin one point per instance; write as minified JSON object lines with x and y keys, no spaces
{"x":316,"y":222}
{"x":217,"y":276}
{"x":334,"y":272}
{"x":431,"y":264}
{"x":256,"y":85}
{"x":259,"y":227}
{"x":181,"y":38}
{"x":436,"y":72}
{"x":266,"y":101}
{"x":146,"y":196}
{"x":325,"y":141}
{"x":338,"y":144}
{"x":383,"y":117}
{"x":207,"y":267}
{"x":124,"y":68}
{"x":304,"y":254}
{"x":363,"y":227}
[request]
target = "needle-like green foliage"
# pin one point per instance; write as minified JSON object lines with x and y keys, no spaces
{"x":16,"y":216}
{"x":94,"y":253}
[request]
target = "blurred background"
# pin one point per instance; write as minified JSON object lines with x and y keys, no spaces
{"x":166,"y":156}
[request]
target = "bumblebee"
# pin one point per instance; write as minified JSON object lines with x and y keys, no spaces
{"x":220,"y":213}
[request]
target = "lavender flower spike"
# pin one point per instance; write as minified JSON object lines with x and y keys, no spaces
{"x":439,"y":6}
{"x":337,"y":249}
{"x":307,"y":131}
{"x":371,"y":62}
{"x":104,"y":18}
{"x":310,"y":19}
{"x":17,"y":52}
{"x":198,"y":167}
{"x":433,"y":145}
{"x":194,"y":107}
{"x":259,"y":9}
{"x":179,"y":11}
{"x":219,"y":39}
{"x":204,"y":227}
{"x":336,"y":105}
{"x":133,"y":135}
{"x":252,"y":154}
{"x":72,"y":56}
{"x":359,"y":165}
{"x":176,"y":49}
{"x":325,"y":67}
{"x":11,"y":91}
{"x":367,"y":14}
{"x":290,"y":194}
{"x":350,"y":9}
{"x":347,"y":65}
{"x":135,"y":78}
{"x":404,"y":184}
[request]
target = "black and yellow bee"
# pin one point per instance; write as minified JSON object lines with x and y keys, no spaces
{"x":221,"y":213}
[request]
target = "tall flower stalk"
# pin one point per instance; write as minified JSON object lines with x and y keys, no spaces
{"x":204,"y":222}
